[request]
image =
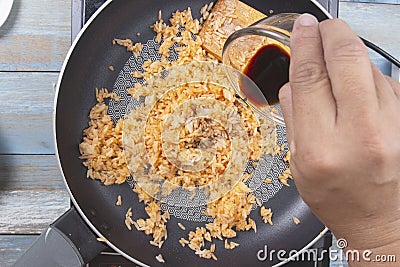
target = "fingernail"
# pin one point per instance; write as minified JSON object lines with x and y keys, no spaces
{"x":307,"y":20}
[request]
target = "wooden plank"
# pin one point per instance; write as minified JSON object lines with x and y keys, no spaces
{"x":30,"y":212}
{"x":32,"y":193}
{"x":13,"y":246}
{"x":36,"y":36}
{"x":26,"y":134}
{"x":27,"y":92}
{"x":26,"y":114}
{"x":378,"y":23}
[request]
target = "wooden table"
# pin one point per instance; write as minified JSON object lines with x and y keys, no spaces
{"x":33,"y":43}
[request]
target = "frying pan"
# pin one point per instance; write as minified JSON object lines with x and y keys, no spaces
{"x":71,"y":240}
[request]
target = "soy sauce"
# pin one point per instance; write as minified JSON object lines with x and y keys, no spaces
{"x":269,"y":70}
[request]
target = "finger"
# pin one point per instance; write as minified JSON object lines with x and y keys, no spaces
{"x":395,"y":86}
{"x":385,"y":93}
{"x":313,"y":102}
{"x":285,"y":100}
{"x":349,"y":69}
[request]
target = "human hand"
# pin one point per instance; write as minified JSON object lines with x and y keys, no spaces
{"x":343,"y":127}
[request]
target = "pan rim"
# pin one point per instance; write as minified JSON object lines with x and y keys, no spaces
{"x":60,"y":77}
{"x":74,"y":201}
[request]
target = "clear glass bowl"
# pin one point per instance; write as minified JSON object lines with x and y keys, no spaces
{"x":241,"y":47}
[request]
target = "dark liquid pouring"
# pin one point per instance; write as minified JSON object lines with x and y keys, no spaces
{"x":269,"y":70}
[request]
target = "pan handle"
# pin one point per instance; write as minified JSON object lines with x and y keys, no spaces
{"x":68,"y":242}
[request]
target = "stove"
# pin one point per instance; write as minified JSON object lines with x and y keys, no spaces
{"x":82,"y":10}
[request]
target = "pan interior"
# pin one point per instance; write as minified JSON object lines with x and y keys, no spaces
{"x":200,"y":79}
{"x":86,"y":70}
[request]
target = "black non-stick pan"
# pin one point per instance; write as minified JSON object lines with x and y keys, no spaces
{"x":71,"y":240}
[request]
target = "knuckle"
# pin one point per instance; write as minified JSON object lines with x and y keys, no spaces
{"x":306,"y":72}
{"x":375,"y":149}
{"x":347,"y":50}
{"x":314,"y":161}
{"x":304,"y":36}
{"x":355,"y":88}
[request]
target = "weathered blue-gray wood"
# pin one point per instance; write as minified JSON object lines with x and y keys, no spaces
{"x":378,"y":23}
{"x":26,"y":134}
{"x":36,"y":36}
{"x":13,"y":246}
{"x":32,"y":193}
{"x":26,"y":112}
{"x":27,"y":92}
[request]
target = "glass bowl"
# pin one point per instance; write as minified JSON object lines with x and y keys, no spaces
{"x":261,"y":52}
